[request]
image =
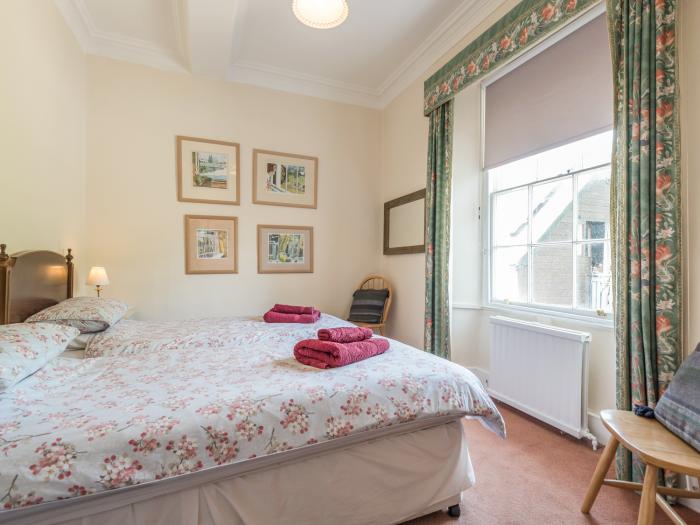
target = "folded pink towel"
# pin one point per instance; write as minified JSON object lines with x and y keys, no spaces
{"x":344,"y":334}
{"x":328,"y":354}
{"x":291,"y":309}
{"x":276,"y":317}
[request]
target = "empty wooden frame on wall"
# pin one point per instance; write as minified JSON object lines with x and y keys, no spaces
{"x":404,"y":224}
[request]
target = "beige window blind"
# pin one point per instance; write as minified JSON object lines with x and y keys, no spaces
{"x":560,"y":95}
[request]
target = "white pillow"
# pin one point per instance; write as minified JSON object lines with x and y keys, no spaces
{"x":87,"y":314}
{"x":26,"y":348}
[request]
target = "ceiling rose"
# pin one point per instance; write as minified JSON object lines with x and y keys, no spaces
{"x":320,"y":14}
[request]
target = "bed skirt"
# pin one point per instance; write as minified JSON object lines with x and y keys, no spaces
{"x":381,"y":481}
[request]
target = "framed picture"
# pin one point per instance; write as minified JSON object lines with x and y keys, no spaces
{"x":285,"y":249}
{"x":208,"y":171}
{"x":211,"y":244}
{"x":284,"y":179}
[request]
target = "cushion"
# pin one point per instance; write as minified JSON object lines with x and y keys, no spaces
{"x":26,"y":348}
{"x":87,"y":314}
{"x":679,"y":408}
{"x":368,"y":306}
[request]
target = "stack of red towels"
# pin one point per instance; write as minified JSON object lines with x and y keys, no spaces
{"x":285,"y":313}
{"x":339,"y":347}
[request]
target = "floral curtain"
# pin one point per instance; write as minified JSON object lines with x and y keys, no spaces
{"x":645,"y":203}
{"x":438,"y":196}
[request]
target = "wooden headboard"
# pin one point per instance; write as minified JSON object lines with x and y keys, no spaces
{"x":31,"y":281}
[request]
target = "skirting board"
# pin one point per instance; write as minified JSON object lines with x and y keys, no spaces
{"x":594,"y":423}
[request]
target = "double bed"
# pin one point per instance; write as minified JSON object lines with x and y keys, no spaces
{"x":213,"y":421}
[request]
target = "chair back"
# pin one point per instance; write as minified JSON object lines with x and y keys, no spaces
{"x":377,"y":282}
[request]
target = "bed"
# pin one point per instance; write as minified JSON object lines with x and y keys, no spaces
{"x":212,"y":421}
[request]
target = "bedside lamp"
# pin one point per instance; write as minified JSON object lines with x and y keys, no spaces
{"x":97,"y":278}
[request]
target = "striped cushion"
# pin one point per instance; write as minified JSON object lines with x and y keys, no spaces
{"x":679,"y":408}
{"x":368,"y":306}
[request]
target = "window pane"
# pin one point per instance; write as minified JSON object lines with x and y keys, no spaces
{"x":509,"y":274}
{"x":550,"y":237}
{"x":510,"y":218}
{"x":594,"y":204}
{"x":552,"y":211}
{"x":597,"y":150}
{"x":593,"y":276}
{"x":552,"y":280}
{"x":523,"y":171}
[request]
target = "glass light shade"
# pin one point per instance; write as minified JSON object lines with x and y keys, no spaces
{"x":320,"y":14}
{"x":97,"y":276}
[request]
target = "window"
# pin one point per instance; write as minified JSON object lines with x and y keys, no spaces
{"x":550,"y":229}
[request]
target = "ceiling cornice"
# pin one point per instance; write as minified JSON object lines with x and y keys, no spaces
{"x":461,"y":21}
{"x":264,"y":75}
{"x":300,"y":83}
{"x":448,"y":34}
{"x":97,"y":42}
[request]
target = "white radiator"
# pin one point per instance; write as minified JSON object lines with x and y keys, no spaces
{"x":542,"y":370}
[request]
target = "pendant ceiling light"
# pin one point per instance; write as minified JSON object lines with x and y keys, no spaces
{"x":320,"y":14}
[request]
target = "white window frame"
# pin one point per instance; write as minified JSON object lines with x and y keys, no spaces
{"x":583,"y":316}
{"x":530,"y":244}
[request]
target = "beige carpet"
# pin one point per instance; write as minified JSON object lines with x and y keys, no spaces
{"x":537,"y":476}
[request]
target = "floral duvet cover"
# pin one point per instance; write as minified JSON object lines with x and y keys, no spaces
{"x":83,"y":426}
{"x":132,"y":336}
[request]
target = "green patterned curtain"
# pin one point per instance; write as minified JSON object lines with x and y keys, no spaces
{"x":645,"y":205}
{"x":438,"y":195}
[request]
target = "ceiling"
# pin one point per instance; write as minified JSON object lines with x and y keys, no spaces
{"x":382,"y":47}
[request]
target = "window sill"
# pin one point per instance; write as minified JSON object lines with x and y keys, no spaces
{"x":539,"y":313}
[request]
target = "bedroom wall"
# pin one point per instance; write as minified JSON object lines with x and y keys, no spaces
{"x":42,"y":131}
{"x":135,"y":226}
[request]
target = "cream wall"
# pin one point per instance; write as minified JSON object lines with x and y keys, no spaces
{"x":135,"y":223}
{"x":404,"y":145}
{"x":466,"y":254}
{"x":42,"y":131}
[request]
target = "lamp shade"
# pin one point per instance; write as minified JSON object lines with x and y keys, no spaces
{"x":97,"y":276}
{"x":320,"y":14}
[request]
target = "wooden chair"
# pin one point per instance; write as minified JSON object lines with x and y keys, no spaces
{"x":657,"y":448}
{"x":377,"y":282}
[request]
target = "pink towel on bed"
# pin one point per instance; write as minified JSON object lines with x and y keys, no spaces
{"x":291,"y":309}
{"x":327,"y":354}
{"x":277,"y":317}
{"x":344,"y":334}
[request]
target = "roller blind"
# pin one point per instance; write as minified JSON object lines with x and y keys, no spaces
{"x":562,"y":94}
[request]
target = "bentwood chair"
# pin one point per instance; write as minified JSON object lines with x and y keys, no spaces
{"x":658,"y":449}
{"x":377,"y":282}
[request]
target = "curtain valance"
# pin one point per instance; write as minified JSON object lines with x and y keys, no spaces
{"x":523,"y":26}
